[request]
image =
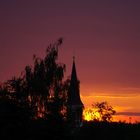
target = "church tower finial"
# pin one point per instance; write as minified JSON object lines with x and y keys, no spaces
{"x":73,"y":58}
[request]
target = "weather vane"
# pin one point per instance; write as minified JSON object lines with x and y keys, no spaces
{"x":73,"y":58}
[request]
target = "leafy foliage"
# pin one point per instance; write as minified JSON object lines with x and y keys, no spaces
{"x":105,"y":110}
{"x":41,"y":87}
{"x":100,"y":111}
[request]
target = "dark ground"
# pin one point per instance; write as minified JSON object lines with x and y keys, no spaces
{"x":15,"y":124}
{"x":40,"y":129}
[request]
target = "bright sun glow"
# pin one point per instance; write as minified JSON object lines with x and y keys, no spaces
{"x":90,"y":114}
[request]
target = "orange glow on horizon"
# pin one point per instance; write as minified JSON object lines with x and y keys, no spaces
{"x":126,"y":119}
{"x":120,"y":103}
{"x":89,"y":114}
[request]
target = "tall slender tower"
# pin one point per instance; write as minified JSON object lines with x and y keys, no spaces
{"x":74,"y":103}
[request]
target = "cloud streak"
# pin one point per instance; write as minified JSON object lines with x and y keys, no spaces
{"x":128,"y":113}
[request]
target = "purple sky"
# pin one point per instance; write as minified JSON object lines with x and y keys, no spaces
{"x":103,"y":34}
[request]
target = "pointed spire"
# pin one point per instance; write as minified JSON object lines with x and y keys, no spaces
{"x":74,"y":91}
{"x":73,"y":74}
{"x":73,"y":58}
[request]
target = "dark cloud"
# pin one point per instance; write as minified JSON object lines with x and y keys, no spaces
{"x":128,"y":113}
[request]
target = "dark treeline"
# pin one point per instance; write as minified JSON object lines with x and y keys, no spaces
{"x":40,"y":90}
{"x":41,"y":129}
{"x":109,"y":131}
{"x":34,"y":106}
{"x":40,"y":93}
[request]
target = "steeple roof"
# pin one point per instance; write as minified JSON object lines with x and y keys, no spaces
{"x":74,"y":91}
{"x":73,"y":74}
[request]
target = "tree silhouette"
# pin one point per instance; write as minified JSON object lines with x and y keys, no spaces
{"x":45,"y":84}
{"x":105,"y":111}
{"x":41,"y":87}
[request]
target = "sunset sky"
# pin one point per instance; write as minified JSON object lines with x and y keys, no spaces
{"x":104,"y":35}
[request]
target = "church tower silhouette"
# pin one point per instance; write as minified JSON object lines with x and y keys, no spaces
{"x":74,"y":103}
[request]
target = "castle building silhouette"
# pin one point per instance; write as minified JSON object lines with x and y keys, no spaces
{"x":74,"y":103}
